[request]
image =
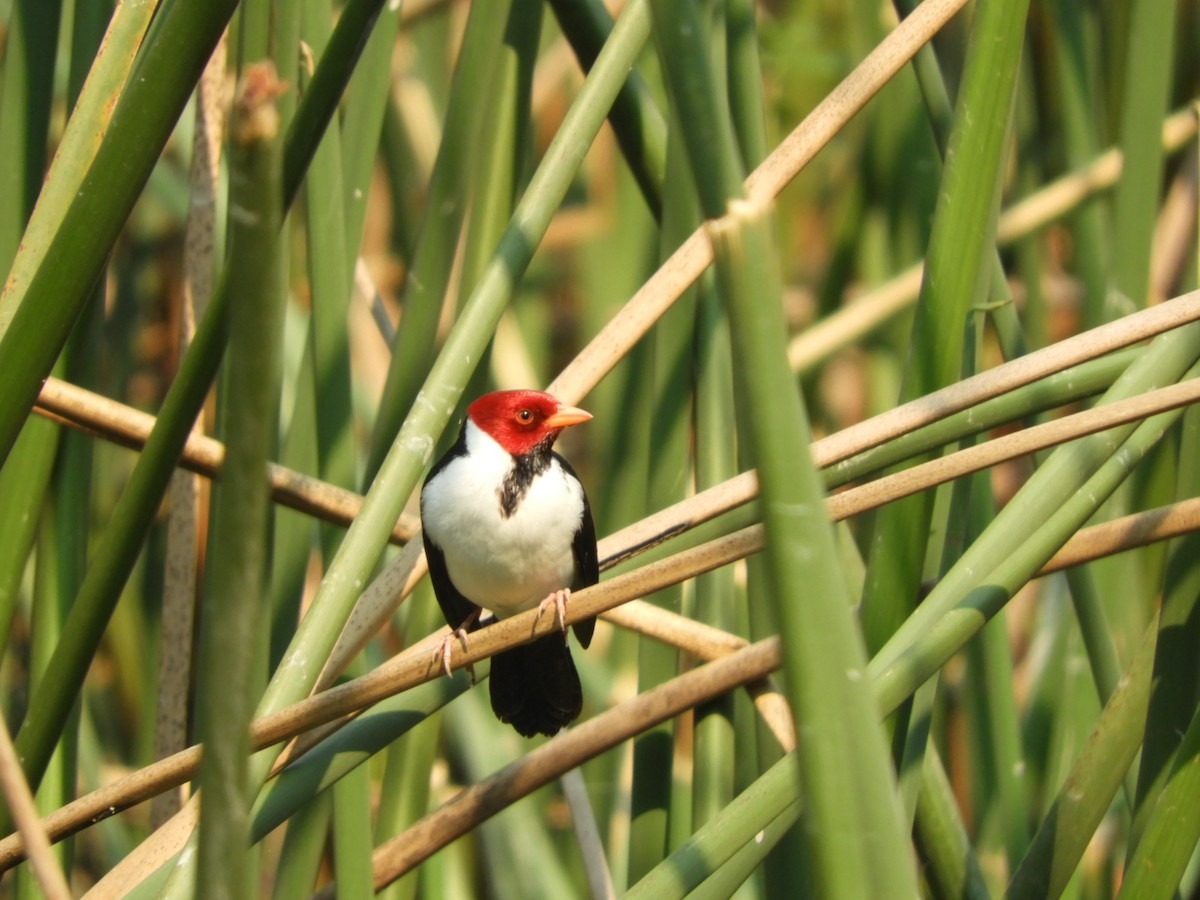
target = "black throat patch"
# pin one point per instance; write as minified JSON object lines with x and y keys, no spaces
{"x":526,"y":467}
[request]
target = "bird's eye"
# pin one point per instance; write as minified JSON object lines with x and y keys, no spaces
{"x":524,"y":416}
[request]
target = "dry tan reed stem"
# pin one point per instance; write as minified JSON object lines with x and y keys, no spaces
{"x":575,"y":383}
{"x":15,"y":790}
{"x":861,"y":316}
{"x":415,"y":665}
{"x":684,"y":266}
{"x":364,"y":691}
{"x":129,"y":427}
{"x":877,"y":430}
{"x":565,"y":751}
{"x":185,"y":494}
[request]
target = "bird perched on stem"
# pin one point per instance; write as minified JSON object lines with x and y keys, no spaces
{"x":507,"y":528}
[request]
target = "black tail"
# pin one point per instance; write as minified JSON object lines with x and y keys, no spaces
{"x":535,"y":687}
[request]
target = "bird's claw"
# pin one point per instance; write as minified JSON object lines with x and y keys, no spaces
{"x":441,"y":653}
{"x":558,"y":600}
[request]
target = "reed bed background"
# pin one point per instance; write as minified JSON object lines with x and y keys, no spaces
{"x":887,"y":315}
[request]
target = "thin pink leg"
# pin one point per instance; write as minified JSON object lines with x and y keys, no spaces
{"x":441,"y":653}
{"x":558,"y":600}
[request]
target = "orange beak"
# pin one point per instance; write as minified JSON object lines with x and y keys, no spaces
{"x":567,"y":415}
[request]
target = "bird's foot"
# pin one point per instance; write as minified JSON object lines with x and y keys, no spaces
{"x":557,"y":600}
{"x":441,"y":653}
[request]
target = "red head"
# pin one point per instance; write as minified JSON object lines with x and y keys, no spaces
{"x":520,"y":420}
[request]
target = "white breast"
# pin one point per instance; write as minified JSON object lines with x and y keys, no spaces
{"x":505,"y":565}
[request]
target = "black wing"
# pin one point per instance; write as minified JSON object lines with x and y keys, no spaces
{"x":455,"y":607}
{"x":587,"y":560}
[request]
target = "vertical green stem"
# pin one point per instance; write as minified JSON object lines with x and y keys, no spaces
{"x":1147,"y":83}
{"x":30,"y":41}
{"x":670,"y":351}
{"x":429,"y":271}
{"x":1172,"y":826}
{"x":1090,"y":787}
{"x":636,"y":121}
{"x":367,"y":96}
{"x":352,"y":833}
{"x":951,"y":866}
{"x":716,"y":592}
{"x":146,"y":112}
{"x":857,"y":842}
{"x":303,"y":850}
{"x":1176,"y":681}
{"x":859,"y":848}
{"x":330,"y":270}
{"x":954,"y":281}
{"x":233,"y":618}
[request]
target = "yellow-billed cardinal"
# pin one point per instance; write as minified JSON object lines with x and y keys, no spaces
{"x":507,"y":527}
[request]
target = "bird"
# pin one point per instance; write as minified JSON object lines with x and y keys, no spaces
{"x":507,"y":527}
